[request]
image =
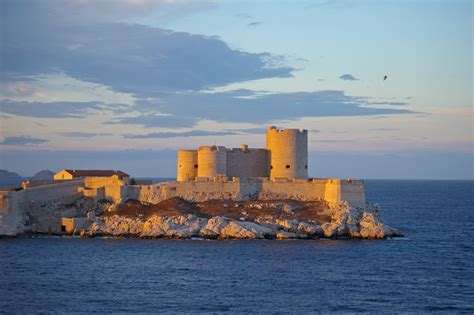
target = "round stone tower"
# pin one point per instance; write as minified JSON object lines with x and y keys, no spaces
{"x":212,"y":161}
{"x":288,"y":151}
{"x":187,"y":165}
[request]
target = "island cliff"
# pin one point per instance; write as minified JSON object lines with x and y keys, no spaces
{"x":176,"y":218}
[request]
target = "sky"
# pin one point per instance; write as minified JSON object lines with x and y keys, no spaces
{"x":125,"y":84}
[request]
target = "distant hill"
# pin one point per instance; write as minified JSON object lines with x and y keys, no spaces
{"x":7,"y":174}
{"x":44,"y":174}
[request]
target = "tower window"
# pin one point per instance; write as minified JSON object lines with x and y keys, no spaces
{"x":271,"y":167}
{"x":306,"y":167}
{"x":287,"y":166}
{"x":195,"y":166}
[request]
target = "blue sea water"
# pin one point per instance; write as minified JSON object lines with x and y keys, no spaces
{"x":430,"y":270}
{"x":12,"y":182}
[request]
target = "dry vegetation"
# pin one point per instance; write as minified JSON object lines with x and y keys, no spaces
{"x":250,"y":210}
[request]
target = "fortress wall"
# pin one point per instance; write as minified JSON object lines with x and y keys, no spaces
{"x":212,"y":161}
{"x":94,"y":182}
{"x":97,"y":193}
{"x":15,"y":204}
{"x":30,"y":183}
{"x":202,"y":189}
{"x":187,"y":167}
{"x":133,"y":192}
{"x":288,"y":153}
{"x":155,"y":193}
{"x":353,"y":191}
{"x":63,"y":191}
{"x":116,"y":193}
{"x":72,"y":224}
{"x":11,"y":218}
{"x":245,"y":162}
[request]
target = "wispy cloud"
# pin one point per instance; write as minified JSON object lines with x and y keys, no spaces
{"x":388,"y":103}
{"x":22,"y":140}
{"x":338,"y":4}
{"x":348,"y":77}
{"x":15,"y":88}
{"x":384,"y":129}
{"x":55,"y":109}
{"x":153,"y":120}
{"x":78,"y":134}
{"x":244,"y":16}
{"x":194,"y":133}
{"x":334,"y":141}
{"x":253,"y":24}
{"x":186,"y":109}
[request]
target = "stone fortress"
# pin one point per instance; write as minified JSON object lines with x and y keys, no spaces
{"x":285,"y":156}
{"x":277,"y":172}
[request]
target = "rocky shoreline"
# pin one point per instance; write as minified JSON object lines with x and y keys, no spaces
{"x":220,"y":219}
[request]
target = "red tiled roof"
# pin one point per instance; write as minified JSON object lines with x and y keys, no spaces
{"x":95,"y":173}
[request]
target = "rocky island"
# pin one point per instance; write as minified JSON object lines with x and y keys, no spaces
{"x":219,"y":193}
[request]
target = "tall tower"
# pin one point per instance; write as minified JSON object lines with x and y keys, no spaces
{"x":187,"y":165}
{"x":288,"y":150}
{"x":212,"y":161}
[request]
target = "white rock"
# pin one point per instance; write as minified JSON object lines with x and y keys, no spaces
{"x":282,"y":235}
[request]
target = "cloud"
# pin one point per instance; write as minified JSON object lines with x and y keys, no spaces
{"x":166,"y":71}
{"x":244,"y":16}
{"x":384,"y":129}
{"x":78,"y":134}
{"x":244,"y":106}
{"x":185,"y":110}
{"x":90,"y":11}
{"x":348,"y":77}
{"x":249,"y":130}
{"x":196,"y":133}
{"x":16,"y":89}
{"x":131,"y":58}
{"x":334,"y":141}
{"x":22,"y":140}
{"x":337,"y":4}
{"x":388,"y":103}
{"x":193,"y":133}
{"x":156,"y":120}
{"x":253,"y":24}
{"x":54,"y":109}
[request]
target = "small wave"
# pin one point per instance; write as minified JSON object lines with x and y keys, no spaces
{"x":399,"y":239}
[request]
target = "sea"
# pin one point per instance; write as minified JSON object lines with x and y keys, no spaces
{"x":430,"y":270}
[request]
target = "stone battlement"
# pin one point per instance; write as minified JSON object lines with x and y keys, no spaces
{"x":211,"y":148}
{"x":275,"y":130}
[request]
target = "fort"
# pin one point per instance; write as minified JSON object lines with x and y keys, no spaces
{"x":285,"y":156}
{"x":278,"y":172}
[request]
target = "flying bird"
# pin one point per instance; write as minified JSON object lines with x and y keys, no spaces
{"x":385,"y":78}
